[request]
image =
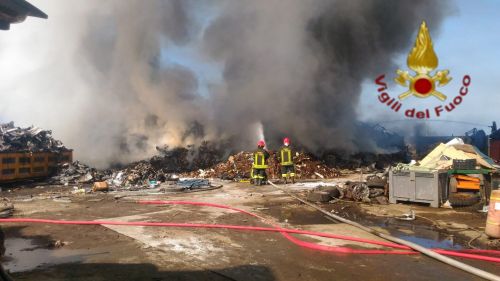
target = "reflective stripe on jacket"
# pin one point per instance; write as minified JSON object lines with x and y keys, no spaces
{"x":286,"y":156}
{"x":259,"y":160}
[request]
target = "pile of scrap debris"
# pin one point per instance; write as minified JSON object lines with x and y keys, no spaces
{"x":140,"y":175}
{"x":373,"y":190}
{"x":77,"y":172}
{"x":168,"y":164}
{"x":31,"y":139}
{"x":160,"y":168}
{"x":203,"y":162}
{"x":238,"y":166}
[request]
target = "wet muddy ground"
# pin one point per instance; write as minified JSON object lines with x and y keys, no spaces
{"x":62,"y":252}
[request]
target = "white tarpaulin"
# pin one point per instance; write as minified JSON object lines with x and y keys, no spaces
{"x":442,"y":156}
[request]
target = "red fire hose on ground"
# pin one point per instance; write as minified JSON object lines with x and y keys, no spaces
{"x":477,"y":255}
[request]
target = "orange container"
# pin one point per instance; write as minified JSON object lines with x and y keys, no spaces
{"x":468,"y":185}
{"x":467,"y":178}
{"x":100,"y":186}
{"x":493,"y":220}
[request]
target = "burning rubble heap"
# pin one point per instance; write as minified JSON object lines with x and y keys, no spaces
{"x":31,"y":139}
{"x":168,"y":164}
{"x":205,"y":161}
{"x":238,"y":166}
{"x":193,"y":163}
{"x":160,"y":168}
{"x":308,"y":166}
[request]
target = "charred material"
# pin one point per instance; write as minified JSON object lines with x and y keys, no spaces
{"x":180,"y":159}
{"x":373,"y":190}
{"x":168,"y":163}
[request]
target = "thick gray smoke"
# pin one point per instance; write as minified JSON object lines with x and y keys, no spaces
{"x":95,"y":73}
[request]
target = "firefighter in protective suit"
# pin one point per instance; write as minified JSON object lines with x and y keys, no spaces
{"x":285,"y":157}
{"x":260,"y":157}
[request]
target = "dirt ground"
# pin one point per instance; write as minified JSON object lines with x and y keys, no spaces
{"x":34,"y":251}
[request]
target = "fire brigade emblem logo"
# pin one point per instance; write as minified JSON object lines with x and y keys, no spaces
{"x":422,"y":60}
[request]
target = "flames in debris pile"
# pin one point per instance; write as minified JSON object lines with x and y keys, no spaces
{"x":31,"y":139}
{"x":238,"y":166}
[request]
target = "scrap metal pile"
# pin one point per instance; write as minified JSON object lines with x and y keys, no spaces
{"x":31,"y":139}
{"x":77,"y":172}
{"x":204,"y":161}
{"x":168,"y":164}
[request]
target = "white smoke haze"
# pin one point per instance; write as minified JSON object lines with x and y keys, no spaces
{"x":94,"y":74}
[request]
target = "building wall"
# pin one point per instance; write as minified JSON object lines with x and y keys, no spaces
{"x":495,"y":150}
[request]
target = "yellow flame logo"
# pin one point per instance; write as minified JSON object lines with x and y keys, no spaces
{"x":422,"y":59}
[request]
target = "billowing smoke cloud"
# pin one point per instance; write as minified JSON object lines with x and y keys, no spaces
{"x":95,"y":71}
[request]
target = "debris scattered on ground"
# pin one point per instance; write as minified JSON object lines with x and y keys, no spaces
{"x":77,"y":190}
{"x":6,"y":208}
{"x":31,"y":139}
{"x":382,"y":200}
{"x":62,"y":200}
{"x":187,"y":185}
{"x":379,"y":188}
{"x":193,"y":183}
{"x":375,"y":181}
{"x":319,"y":196}
{"x":324,"y":193}
{"x":57,"y":244}
{"x":357,"y":191}
{"x":407,"y":217}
